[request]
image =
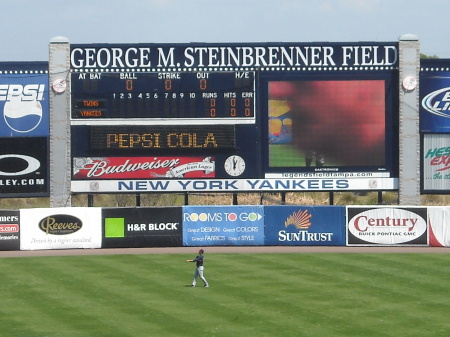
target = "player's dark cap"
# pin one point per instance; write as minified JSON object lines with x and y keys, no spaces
{"x":201,"y":251}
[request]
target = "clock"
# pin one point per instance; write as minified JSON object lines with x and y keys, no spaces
{"x":234,"y":165}
{"x":59,"y":85}
{"x":409,"y":83}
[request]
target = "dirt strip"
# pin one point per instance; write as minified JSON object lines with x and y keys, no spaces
{"x":233,"y":249}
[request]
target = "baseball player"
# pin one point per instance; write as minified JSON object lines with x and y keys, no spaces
{"x":199,"y":269}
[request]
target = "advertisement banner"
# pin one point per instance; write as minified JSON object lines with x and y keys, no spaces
{"x":142,"y":167}
{"x":435,"y":162}
{"x":439,"y":226}
{"x":233,"y":185}
{"x":434,"y":96}
{"x":304,"y":225}
{"x":24,"y":167}
{"x":60,"y":228}
{"x":223,"y":225}
{"x":24,"y":104}
{"x":387,"y":226}
{"x":9,"y":230}
{"x":142,"y":227}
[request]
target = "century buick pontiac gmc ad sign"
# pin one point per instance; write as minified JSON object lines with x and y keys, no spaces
{"x":387,"y":226}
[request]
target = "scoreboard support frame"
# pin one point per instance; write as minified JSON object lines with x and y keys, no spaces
{"x":60,"y":135}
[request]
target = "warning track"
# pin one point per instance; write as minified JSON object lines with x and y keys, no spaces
{"x":228,"y":249}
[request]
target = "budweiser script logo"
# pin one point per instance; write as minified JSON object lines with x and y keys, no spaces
{"x":158,"y":167}
{"x":97,"y":167}
{"x":60,"y":224}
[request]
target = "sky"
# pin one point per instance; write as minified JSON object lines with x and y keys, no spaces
{"x":28,"y":26}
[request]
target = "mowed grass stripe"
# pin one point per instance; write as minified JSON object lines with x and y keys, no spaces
{"x":387,"y":286}
{"x":81,"y":310}
{"x":250,"y":294}
{"x":363,"y":287}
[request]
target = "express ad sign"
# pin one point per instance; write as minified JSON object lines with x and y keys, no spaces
{"x":387,"y":226}
{"x":304,"y":225}
{"x":436,"y":162}
{"x":223,"y":226}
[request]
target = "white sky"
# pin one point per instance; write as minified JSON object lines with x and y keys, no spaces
{"x":27,"y":26}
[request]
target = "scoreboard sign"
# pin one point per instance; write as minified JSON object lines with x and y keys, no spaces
{"x":263,"y":117}
{"x":164,"y":95}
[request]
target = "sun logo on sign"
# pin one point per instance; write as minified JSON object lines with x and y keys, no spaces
{"x":300,"y":219}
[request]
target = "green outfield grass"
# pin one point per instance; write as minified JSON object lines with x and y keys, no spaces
{"x":276,"y":295}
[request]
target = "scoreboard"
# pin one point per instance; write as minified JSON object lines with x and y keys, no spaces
{"x":233,"y":117}
{"x":158,"y":96}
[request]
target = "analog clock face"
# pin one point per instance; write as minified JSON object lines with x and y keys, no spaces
{"x":59,"y":85}
{"x":234,"y":165}
{"x":409,"y":83}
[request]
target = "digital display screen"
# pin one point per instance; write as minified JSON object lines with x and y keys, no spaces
{"x":203,"y":137}
{"x":226,"y":95}
{"x":329,"y":123}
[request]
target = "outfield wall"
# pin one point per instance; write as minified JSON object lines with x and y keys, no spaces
{"x":92,"y":227}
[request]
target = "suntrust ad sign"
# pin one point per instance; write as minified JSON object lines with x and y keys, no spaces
{"x":387,"y":226}
{"x":60,"y":228}
{"x":304,"y":225}
{"x":223,"y":226}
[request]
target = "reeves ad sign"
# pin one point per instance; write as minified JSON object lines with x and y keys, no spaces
{"x":243,"y":55}
{"x":60,"y":228}
{"x":304,"y":226}
{"x":143,"y":167}
{"x":387,"y":226}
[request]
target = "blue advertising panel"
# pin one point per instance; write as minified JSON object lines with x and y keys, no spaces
{"x":223,"y":225}
{"x":434,"y":95}
{"x":24,"y":103}
{"x":304,"y":225}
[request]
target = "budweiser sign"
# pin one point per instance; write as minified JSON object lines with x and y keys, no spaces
{"x":142,"y":167}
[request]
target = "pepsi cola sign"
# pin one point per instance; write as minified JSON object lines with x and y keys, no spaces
{"x":24,"y":105}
